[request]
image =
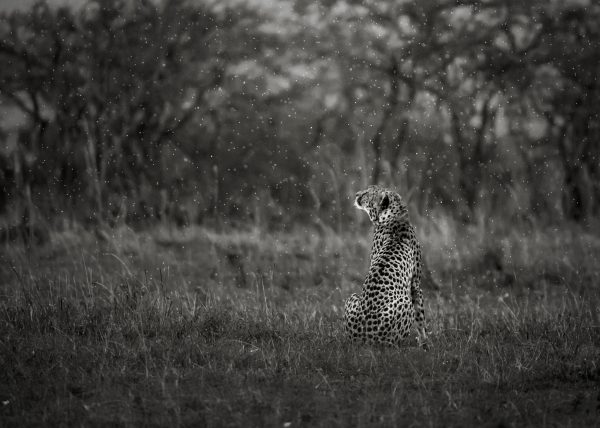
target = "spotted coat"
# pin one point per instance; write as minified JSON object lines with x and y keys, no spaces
{"x":391,"y":300}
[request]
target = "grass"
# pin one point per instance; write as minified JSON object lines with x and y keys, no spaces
{"x":243,"y":328}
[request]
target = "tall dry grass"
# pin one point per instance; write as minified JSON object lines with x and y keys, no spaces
{"x":243,"y":327}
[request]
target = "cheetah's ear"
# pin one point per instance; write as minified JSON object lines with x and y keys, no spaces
{"x":385,"y":202}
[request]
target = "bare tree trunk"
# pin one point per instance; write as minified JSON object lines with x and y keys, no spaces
{"x":91,"y":159}
{"x":388,"y":112}
{"x":573,"y":147}
{"x":400,"y":140}
{"x":214,"y":171}
{"x":319,"y":129}
{"x":402,"y":178}
{"x":471,"y":153}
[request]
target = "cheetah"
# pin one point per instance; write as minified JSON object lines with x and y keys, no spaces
{"x":391,"y":299}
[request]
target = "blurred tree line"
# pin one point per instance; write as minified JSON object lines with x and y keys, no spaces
{"x":279,"y":110}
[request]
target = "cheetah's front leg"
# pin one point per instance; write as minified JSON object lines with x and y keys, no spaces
{"x":353,"y":317}
{"x":417,"y":301}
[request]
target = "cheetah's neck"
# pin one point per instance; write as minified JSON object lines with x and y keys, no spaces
{"x":389,"y":234}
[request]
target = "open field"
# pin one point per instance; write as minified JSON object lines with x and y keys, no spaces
{"x":243,"y":328}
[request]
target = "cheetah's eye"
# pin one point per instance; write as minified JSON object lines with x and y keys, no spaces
{"x":358,"y":201}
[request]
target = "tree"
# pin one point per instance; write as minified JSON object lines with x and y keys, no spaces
{"x":120,"y":80}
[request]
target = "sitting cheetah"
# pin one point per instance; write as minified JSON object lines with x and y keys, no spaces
{"x":391,"y":298}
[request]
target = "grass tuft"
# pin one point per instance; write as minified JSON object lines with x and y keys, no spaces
{"x":239,"y":328}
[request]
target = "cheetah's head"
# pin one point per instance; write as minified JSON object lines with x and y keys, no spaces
{"x":383,"y":206}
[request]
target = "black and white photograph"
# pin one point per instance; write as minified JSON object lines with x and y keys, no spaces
{"x":300,"y":213}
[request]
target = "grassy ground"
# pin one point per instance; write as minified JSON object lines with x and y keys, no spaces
{"x":244,"y":329}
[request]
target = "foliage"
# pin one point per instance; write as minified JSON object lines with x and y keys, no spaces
{"x":217,"y":111}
